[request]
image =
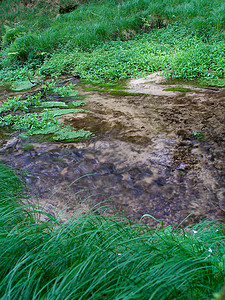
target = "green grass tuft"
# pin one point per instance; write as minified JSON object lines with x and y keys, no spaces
{"x":123,"y":93}
{"x":178,"y":89}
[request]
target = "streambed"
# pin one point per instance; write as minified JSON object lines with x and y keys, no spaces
{"x":157,"y":152}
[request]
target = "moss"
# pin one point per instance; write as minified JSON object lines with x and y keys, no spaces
{"x":94,"y":89}
{"x":112,"y":86}
{"x":107,"y":85}
{"x":178,"y":89}
{"x":28,"y":147}
{"x":123,"y":93}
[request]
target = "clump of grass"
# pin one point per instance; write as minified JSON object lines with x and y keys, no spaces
{"x":178,"y":89}
{"x":93,"y":89}
{"x":112,"y":86}
{"x":94,"y":256}
{"x":123,"y":93}
{"x":28,"y":147}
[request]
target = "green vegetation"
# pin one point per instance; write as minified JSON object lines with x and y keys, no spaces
{"x":16,"y":113}
{"x":28,"y":147}
{"x":21,"y":86}
{"x":183,"y":39}
{"x":93,"y":89}
{"x":65,"y":111}
{"x":59,"y":132}
{"x":108,"y":85}
{"x":199,"y":135}
{"x":60,"y":104}
{"x":16,"y":103}
{"x":124,"y":93}
{"x":178,"y":89}
{"x":93,"y":256}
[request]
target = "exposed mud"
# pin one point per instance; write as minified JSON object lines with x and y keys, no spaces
{"x":160,"y":154}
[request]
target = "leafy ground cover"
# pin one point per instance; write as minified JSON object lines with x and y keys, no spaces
{"x":95,"y":256}
{"x":33,"y":115}
{"x":184,"y":39}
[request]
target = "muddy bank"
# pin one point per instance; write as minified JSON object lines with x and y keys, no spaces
{"x":161,"y":153}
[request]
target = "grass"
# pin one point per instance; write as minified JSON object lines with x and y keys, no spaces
{"x":178,"y":89}
{"x":124,"y":93}
{"x":183,"y":39}
{"x":95,"y":256}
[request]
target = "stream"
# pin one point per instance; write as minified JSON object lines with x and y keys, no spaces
{"x":158,"y":152}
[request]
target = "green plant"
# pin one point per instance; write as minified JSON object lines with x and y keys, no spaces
{"x":15,"y":114}
{"x":12,"y":33}
{"x":199,"y":135}
{"x":178,"y":89}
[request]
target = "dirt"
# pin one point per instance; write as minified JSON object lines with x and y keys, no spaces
{"x":160,"y":154}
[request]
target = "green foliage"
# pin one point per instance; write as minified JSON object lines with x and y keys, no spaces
{"x":185,"y":40}
{"x":11,"y":186}
{"x":26,"y":17}
{"x":201,"y":60}
{"x":77,"y":103}
{"x":64,"y":91}
{"x":28,"y":122}
{"x":16,"y":103}
{"x":172,"y":50}
{"x":50,"y":104}
{"x":93,"y":256}
{"x":123,"y":93}
{"x":64,"y":111}
{"x":21,"y":86}
{"x":110,"y":20}
{"x":199,"y":135}
{"x":64,"y":133}
{"x":12,"y":33}
{"x":28,"y":147}
{"x":59,"y":104}
{"x":12,"y":73}
{"x":178,"y":89}
{"x":15,"y":114}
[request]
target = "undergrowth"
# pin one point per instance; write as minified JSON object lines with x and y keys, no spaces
{"x":184,"y":39}
{"x":19,"y":113}
{"x":95,"y":256}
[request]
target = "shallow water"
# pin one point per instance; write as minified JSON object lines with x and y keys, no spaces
{"x":143,"y":160}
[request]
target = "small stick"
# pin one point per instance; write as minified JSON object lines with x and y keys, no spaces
{"x":95,"y":14}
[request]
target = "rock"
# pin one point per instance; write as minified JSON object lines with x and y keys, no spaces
{"x":10,"y":144}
